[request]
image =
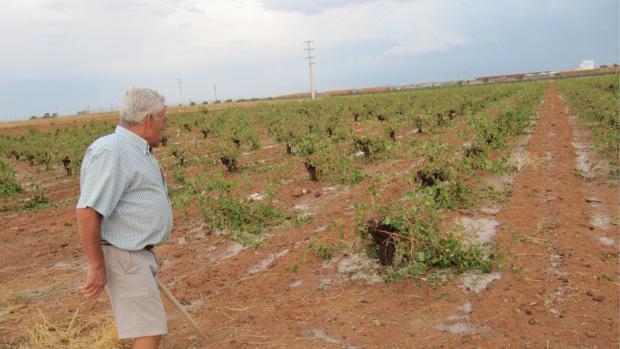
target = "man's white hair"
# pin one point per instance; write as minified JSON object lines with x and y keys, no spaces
{"x":140,"y":102}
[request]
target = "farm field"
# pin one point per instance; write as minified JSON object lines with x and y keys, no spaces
{"x":475,"y":216}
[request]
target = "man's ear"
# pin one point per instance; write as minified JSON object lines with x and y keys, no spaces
{"x":148,"y":120}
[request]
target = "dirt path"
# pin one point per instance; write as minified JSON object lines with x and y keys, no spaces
{"x":560,"y":286}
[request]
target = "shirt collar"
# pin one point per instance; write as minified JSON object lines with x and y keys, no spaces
{"x":133,"y":138}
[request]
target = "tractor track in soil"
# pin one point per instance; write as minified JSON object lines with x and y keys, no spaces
{"x":558,"y":289}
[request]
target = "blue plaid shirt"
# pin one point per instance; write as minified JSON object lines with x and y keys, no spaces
{"x":120,"y":178}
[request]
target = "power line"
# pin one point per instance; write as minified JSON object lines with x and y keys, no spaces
{"x":215,"y":92}
{"x":180,"y":83}
{"x":310,"y":63}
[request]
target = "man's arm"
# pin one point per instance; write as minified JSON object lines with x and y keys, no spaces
{"x":89,"y":228}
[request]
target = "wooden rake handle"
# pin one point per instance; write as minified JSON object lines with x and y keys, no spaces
{"x":179,"y":306}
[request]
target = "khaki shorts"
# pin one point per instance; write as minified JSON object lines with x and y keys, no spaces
{"x":133,"y":291}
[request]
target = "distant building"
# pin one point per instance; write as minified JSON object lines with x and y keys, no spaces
{"x":500,"y":78}
{"x":586,"y":64}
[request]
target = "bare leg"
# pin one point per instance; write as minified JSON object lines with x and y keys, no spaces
{"x":150,"y":342}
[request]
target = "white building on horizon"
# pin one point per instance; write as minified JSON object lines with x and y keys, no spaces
{"x":586,"y":64}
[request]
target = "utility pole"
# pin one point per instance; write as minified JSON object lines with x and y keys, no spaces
{"x":215,"y":92}
{"x":309,"y":57}
{"x":180,"y":83}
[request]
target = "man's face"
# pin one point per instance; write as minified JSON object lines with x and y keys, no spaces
{"x":157,"y":127}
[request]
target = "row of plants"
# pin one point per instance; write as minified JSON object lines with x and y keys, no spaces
{"x":596,"y":101}
{"x":332,"y":139}
{"x":406,"y":235}
{"x":325,"y":140}
{"x":325,"y":135}
{"x":242,"y":219}
{"x":62,"y":146}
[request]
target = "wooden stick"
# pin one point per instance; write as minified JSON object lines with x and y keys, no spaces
{"x":179,"y":306}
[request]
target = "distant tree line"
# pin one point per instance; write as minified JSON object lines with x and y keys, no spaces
{"x":45,"y":116}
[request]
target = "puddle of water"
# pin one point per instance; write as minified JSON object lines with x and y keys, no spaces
{"x":459,"y":324}
{"x":583,"y":164}
{"x":606,"y":241}
{"x":555,"y":259}
{"x":578,"y":145}
{"x":267,"y":262}
{"x":477,"y":282}
{"x":63,"y":265}
{"x":256,"y":197}
{"x":466,"y":308}
{"x":358,"y":266}
{"x":600,"y":221}
{"x":478,"y":230}
{"x":333,"y":189}
{"x":501,"y":183}
{"x":320,"y":229}
{"x":490,"y":210}
{"x":325,"y":283}
{"x":306,"y":210}
{"x":583,"y":160}
{"x":295,"y":283}
{"x":322,"y":335}
{"x":232,"y":251}
{"x":457,"y":328}
{"x":519,"y":158}
{"x":555,"y":312}
{"x":551,"y":298}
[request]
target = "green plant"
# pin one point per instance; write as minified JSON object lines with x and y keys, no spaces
{"x":408,"y":241}
{"x":245,"y":220}
{"x":8,"y":184}
{"x":595,"y":101}
{"x":371,"y":147}
{"x":38,"y":201}
{"x":325,"y":249}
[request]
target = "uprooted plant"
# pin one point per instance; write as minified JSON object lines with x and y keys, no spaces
{"x":407,"y":240}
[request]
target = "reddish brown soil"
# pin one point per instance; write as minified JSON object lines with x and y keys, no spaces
{"x":559,"y":286}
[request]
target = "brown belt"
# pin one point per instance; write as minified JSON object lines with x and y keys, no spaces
{"x":106,"y":243}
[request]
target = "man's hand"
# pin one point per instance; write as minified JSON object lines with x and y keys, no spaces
{"x":95,"y":282}
{"x":89,"y":228}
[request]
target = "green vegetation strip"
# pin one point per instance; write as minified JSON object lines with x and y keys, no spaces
{"x":596,"y":100}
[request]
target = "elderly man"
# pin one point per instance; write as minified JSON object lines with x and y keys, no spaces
{"x":124,"y":211}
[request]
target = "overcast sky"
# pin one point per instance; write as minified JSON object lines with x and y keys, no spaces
{"x":68,"y":55}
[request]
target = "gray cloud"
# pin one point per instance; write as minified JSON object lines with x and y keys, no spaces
{"x":314,"y":6}
{"x":62,"y":50}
